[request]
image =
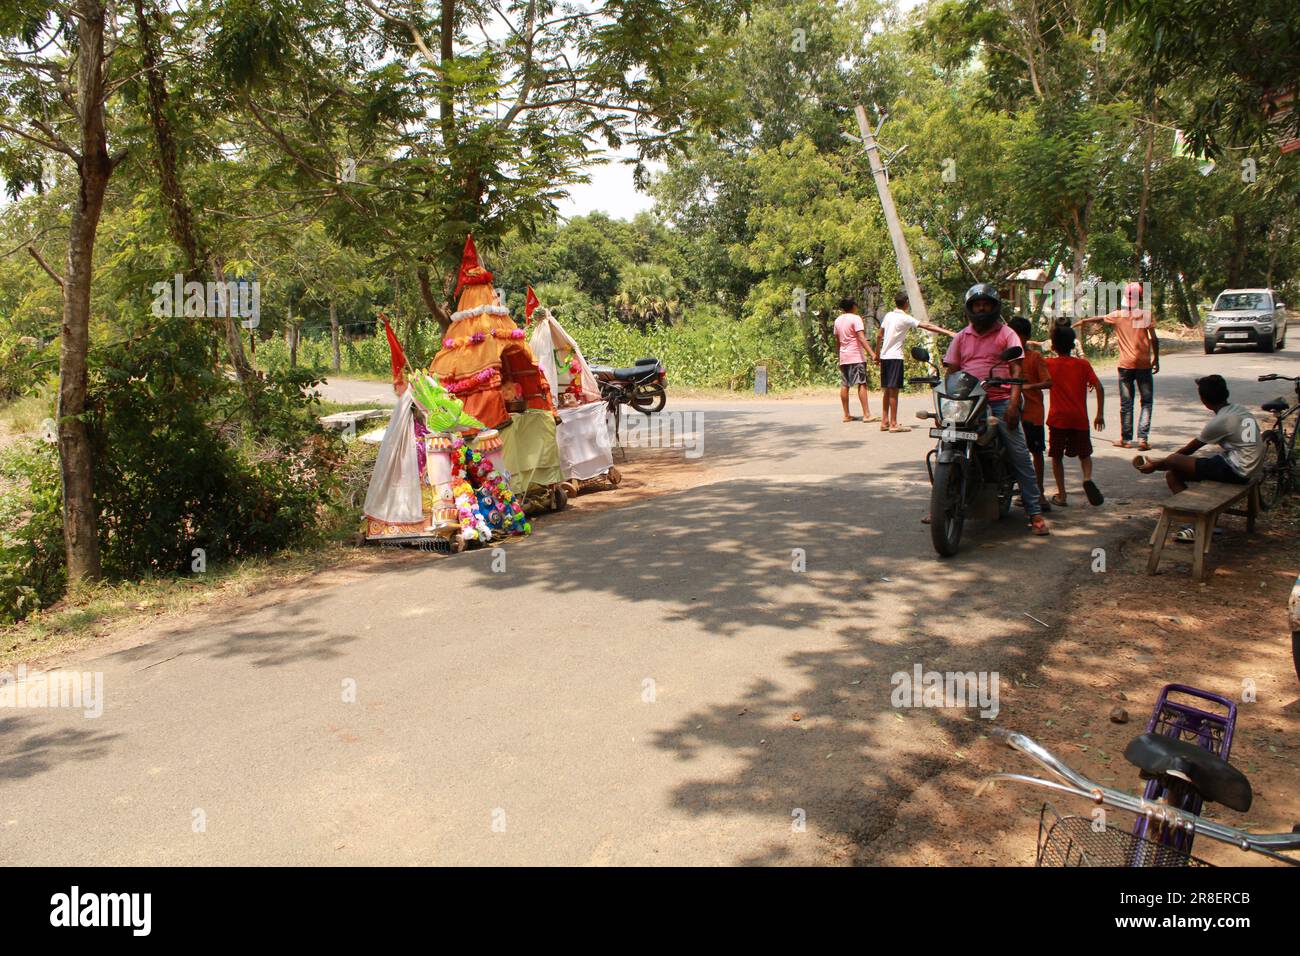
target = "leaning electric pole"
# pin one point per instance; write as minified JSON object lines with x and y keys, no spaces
{"x":881,"y":177}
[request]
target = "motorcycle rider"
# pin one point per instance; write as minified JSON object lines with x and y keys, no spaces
{"x":975,"y":350}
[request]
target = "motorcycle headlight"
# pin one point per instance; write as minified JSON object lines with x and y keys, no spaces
{"x":956,"y":410}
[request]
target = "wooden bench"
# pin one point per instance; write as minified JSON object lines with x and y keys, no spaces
{"x":1201,"y":504}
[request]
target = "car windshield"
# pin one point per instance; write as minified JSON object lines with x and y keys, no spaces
{"x":1242,"y":302}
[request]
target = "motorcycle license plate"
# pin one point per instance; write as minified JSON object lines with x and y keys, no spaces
{"x":953,"y":435}
{"x":1236,"y":335}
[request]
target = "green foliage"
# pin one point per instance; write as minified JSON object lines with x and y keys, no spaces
{"x":31,"y":529}
{"x":186,"y":459}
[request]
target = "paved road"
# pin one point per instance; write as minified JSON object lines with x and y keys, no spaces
{"x":624,"y":693}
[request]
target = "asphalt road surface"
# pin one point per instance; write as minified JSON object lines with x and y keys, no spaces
{"x":624,"y":693}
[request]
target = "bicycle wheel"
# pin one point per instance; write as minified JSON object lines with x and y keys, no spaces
{"x":1276,"y":469}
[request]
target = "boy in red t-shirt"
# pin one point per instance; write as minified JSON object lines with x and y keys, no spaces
{"x":1037,"y":379}
{"x":1067,"y":422}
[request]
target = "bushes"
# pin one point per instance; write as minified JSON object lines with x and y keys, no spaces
{"x":31,"y":529}
{"x":184,"y":458}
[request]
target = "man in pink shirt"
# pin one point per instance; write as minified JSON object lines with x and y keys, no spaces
{"x":975,"y":350}
{"x":854,"y":348}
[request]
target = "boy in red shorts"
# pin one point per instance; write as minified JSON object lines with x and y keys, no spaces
{"x":1067,"y":422}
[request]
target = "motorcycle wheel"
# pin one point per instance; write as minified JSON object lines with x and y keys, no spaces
{"x":649,"y":398}
{"x":947,"y":510}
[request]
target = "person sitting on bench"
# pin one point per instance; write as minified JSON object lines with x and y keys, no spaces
{"x":1233,"y":428}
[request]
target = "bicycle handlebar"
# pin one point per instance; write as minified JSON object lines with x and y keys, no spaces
{"x":1078,"y":785}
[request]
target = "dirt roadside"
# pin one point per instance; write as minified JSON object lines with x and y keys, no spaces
{"x":1130,"y":634}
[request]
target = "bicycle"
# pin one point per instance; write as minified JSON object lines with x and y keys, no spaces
{"x":1279,"y":447}
{"x":1183,"y":756}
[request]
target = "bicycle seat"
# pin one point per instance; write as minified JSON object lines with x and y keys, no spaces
{"x":1276,"y":405}
{"x":1213,"y":777}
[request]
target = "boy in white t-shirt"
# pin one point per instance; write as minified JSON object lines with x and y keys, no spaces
{"x":889,"y":347}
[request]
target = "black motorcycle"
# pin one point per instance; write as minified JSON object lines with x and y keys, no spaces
{"x":970,"y":468}
{"x":643,"y":386}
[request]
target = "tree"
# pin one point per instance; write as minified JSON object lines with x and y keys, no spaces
{"x":55,"y":80}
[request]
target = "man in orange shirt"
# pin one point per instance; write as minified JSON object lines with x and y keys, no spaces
{"x":1037,"y":379}
{"x":1139,"y":361}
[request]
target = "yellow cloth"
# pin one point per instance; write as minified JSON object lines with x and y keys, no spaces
{"x":529,"y":451}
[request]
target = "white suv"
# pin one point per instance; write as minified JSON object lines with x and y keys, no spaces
{"x":1252,"y":317}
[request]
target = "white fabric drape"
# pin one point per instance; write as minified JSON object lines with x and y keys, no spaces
{"x":545,"y":340}
{"x":394,"y":492}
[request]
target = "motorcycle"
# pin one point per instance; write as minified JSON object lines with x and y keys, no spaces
{"x":643,"y":386}
{"x":969,"y":467}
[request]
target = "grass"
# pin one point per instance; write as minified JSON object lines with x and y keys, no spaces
{"x":77,"y":620}
{"x":23,"y":416}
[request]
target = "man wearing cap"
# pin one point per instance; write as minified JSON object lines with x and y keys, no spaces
{"x":1139,"y":361}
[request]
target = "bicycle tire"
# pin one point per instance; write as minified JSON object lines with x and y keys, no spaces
{"x":1276,"y":468}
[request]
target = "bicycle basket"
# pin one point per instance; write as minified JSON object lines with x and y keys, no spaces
{"x":1072,"y":841}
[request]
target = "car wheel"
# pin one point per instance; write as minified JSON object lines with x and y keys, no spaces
{"x":1209,"y":346}
{"x":1266,"y":344}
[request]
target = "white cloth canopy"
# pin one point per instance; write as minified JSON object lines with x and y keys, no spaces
{"x":394,"y":492}
{"x":550,"y":337}
{"x":583,"y":437}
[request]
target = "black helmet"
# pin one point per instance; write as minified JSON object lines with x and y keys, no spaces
{"x":982,"y":290}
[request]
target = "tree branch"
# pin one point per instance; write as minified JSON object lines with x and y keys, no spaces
{"x":45,"y":265}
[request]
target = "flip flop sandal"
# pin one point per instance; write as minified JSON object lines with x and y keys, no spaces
{"x":925,"y":519}
{"x":871,"y":418}
{"x":1059,"y":502}
{"x":1187,"y":533}
{"x":1144,"y":446}
{"x":1040,"y":528}
{"x":1122,"y":444}
{"x":1095,"y":497}
{"x":900,"y":428}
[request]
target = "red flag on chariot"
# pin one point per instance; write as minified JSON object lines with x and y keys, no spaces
{"x":530,"y":303}
{"x":395,"y":353}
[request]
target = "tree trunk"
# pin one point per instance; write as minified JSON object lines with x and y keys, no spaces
{"x":94,"y":167}
{"x":1237,"y":264}
{"x":1184,"y":308}
{"x":334,"y":336}
{"x":291,"y":337}
{"x":436,"y":309}
{"x":1146,"y":195}
{"x":234,"y":344}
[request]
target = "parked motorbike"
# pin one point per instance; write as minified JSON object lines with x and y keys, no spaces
{"x":643,"y":386}
{"x":969,"y":466}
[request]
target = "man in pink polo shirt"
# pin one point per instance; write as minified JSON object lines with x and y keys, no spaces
{"x":975,"y":350}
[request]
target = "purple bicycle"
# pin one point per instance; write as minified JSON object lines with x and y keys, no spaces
{"x":1183,"y":756}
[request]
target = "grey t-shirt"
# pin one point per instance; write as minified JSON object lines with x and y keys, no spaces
{"x":1234,"y":429}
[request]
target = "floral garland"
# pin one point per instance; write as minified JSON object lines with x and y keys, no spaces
{"x":478,"y":338}
{"x":575,"y":376}
{"x":472,"y":382}
{"x":468,"y":465}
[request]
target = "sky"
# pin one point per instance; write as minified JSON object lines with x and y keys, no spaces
{"x":610,"y":191}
